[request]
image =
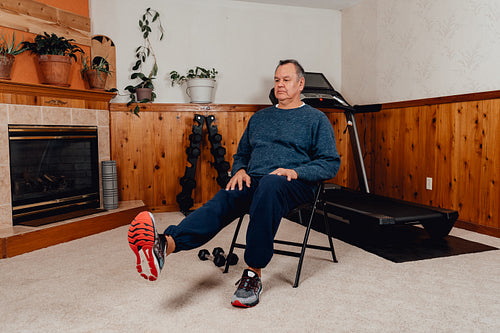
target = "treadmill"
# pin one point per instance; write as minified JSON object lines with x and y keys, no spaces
{"x":362,"y":208}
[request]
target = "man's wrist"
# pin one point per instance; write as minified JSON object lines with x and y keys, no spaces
{"x":235,"y":172}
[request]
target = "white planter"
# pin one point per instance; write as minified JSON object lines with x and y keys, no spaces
{"x":200,"y":90}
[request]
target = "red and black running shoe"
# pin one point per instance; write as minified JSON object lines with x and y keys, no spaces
{"x":148,"y":246}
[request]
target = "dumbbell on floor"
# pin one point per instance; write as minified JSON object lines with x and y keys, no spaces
{"x":219,"y":253}
{"x":205,"y":255}
{"x":218,"y":257}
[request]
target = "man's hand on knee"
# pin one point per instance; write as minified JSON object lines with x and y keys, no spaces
{"x":288,"y":173}
{"x":241,"y":177}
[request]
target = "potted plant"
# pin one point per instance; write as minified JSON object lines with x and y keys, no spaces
{"x":200,"y":83}
{"x":142,"y":92}
{"x":95,"y":72}
{"x":55,"y":56}
{"x":9,"y":48}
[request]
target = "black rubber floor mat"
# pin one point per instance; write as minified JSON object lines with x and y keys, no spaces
{"x":404,"y":243}
{"x":398,"y":243}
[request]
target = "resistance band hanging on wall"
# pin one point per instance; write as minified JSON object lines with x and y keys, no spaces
{"x":193,"y":151}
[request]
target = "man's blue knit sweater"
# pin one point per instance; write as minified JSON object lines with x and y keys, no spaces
{"x":301,"y":139}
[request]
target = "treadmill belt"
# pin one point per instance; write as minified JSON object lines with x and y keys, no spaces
{"x":356,"y":205}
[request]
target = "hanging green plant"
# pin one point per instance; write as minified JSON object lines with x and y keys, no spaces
{"x":143,"y":53}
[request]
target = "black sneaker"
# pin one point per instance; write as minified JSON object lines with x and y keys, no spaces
{"x":247,"y":294}
{"x":148,"y":246}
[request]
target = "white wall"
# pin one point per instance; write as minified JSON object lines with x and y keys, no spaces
{"x":396,"y":50}
{"x":243,"y":41}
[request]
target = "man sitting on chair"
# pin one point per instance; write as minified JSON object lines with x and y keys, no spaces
{"x":284,"y":152}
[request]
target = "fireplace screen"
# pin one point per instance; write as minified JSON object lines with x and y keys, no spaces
{"x":54,"y":172}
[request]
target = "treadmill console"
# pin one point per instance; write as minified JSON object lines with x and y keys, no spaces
{"x":319,"y":93}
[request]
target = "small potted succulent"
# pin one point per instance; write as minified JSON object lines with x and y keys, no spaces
{"x":95,"y":72}
{"x":9,"y":49}
{"x":200,"y":83}
{"x":55,"y":55}
{"x":143,"y":91}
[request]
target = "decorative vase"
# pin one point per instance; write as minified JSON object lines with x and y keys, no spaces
{"x":143,"y":93}
{"x":96,"y":79}
{"x":200,"y":90}
{"x":54,"y":69}
{"x":6,"y":62}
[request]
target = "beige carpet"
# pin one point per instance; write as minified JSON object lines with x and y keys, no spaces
{"x":90,"y":285}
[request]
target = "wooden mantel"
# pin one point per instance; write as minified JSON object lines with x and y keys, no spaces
{"x":48,"y":95}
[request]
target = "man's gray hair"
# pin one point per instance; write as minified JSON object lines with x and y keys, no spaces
{"x":298,"y":67}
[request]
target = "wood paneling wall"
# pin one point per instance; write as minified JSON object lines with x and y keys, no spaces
{"x":151,"y":150}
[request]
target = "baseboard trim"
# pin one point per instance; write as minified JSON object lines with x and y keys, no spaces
{"x":490,"y":231}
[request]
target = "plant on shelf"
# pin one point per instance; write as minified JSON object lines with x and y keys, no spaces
{"x":54,"y":57}
{"x":9,"y":49}
{"x":95,"y":72}
{"x":142,"y":92}
{"x":200,"y":83}
{"x":198,"y":72}
{"x":53,"y":45}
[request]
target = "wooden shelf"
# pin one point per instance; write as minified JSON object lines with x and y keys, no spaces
{"x":32,"y":89}
{"x":48,"y":95}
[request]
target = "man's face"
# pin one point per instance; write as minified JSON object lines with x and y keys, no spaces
{"x":286,"y":86}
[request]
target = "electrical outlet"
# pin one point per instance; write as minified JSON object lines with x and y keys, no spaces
{"x":428,"y":183}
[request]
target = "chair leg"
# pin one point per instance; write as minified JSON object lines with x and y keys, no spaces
{"x":235,"y":237}
{"x":304,"y":246}
{"x":327,"y":230}
{"x":306,"y":235}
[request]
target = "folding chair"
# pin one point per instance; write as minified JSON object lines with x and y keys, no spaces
{"x":313,"y":206}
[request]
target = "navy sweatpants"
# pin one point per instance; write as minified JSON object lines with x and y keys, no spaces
{"x":267,"y":200}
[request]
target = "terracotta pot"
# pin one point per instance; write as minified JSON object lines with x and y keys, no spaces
{"x":55,"y":69}
{"x":6,"y":62}
{"x":96,"y":80}
{"x":143,"y":93}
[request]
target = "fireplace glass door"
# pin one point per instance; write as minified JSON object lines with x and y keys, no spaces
{"x":54,"y":171}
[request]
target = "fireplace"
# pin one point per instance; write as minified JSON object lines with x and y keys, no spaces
{"x":54,"y":172}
